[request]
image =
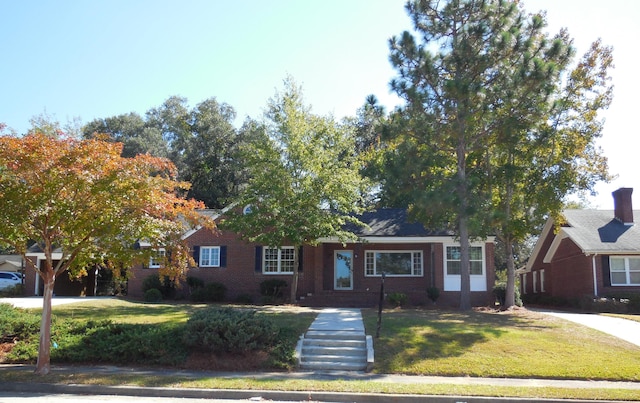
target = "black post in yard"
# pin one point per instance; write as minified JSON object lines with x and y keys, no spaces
{"x":380,"y":306}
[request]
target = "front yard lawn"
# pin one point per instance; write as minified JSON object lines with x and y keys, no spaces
{"x":518,"y":344}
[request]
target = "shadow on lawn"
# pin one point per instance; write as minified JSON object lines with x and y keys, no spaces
{"x":411,"y":336}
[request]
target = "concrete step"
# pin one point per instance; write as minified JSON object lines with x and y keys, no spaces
{"x":336,"y":343}
{"x":333,"y":366}
{"x":338,"y":351}
{"x":335,"y":335}
{"x":334,"y":358}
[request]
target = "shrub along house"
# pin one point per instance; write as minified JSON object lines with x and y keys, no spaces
{"x":593,"y":253}
{"x":412,"y":258}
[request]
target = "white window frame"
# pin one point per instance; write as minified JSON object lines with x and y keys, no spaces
{"x":452,"y":282}
{"x":371,"y":270}
{"x":627,"y":271}
{"x":153,"y":264}
{"x":542,"y":280}
{"x":282,"y":257}
{"x":524,"y":283}
{"x":212,"y":262}
{"x":535,"y":282}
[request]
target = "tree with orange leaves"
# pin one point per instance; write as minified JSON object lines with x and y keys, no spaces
{"x":82,"y":198}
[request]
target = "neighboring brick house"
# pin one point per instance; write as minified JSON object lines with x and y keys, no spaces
{"x":331,"y":273}
{"x":592,"y":253}
{"x":64,"y":286}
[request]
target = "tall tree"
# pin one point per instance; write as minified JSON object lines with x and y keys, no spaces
{"x":83,"y":198}
{"x":483,"y":71}
{"x":133,"y":132}
{"x":546,"y":147}
{"x":304,"y":181}
{"x":201,"y":142}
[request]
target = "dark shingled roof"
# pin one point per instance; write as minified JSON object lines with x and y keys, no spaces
{"x":392,"y":222}
{"x":597,"y":231}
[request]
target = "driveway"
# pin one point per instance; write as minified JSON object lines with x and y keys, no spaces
{"x":36,"y":302}
{"x":624,"y":329}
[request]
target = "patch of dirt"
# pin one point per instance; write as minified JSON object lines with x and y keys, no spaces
{"x":253,"y":361}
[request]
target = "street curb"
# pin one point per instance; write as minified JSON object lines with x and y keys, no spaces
{"x":189,"y":393}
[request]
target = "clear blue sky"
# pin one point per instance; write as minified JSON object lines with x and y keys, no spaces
{"x":92,"y":59}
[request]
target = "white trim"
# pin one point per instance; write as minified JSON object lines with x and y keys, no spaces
{"x":403,"y":240}
{"x":41,"y":256}
{"x":546,"y":230}
{"x":411,"y":252}
{"x":335,"y":270}
{"x":279,"y":261}
{"x":627,"y":271}
{"x":595,"y":276}
{"x":208,"y":247}
{"x":452,"y":282}
{"x":162,"y":252}
{"x":553,"y":248}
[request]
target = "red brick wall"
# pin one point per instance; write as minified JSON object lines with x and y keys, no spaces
{"x":241,"y":278}
{"x":570,"y":275}
{"x":239,"y":274}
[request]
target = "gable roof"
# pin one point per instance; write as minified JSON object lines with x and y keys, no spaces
{"x":595,"y":232}
{"x":392,"y":222}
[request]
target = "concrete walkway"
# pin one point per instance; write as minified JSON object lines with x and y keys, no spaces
{"x":338,"y":319}
{"x":624,"y":329}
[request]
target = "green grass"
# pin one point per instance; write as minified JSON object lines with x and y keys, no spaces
{"x":483,"y":344}
{"x":412,"y":341}
{"x":339,"y":385}
{"x":120,"y":332}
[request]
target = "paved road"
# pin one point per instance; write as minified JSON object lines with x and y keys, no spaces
{"x":12,"y":397}
{"x":624,"y":329}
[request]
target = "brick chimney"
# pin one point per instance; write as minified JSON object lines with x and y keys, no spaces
{"x":623,"y":208}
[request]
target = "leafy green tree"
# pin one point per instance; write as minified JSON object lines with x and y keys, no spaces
{"x":201,"y":142}
{"x":133,"y":132}
{"x":83,"y":198}
{"x":478,"y":90}
{"x":304,"y":178}
{"x":546,"y":145}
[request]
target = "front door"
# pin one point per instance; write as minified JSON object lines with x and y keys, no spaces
{"x":343,"y":264}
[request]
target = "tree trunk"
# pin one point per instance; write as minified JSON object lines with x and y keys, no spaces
{"x":510,"y":297}
{"x":43,"y":365}
{"x":465,"y":267}
{"x":296,"y":274}
{"x":463,"y":226}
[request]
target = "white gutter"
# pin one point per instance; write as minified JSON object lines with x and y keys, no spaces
{"x":595,"y":277}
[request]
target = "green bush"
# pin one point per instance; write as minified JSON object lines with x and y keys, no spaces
{"x":212,"y":292}
{"x":194,"y":282}
{"x":272,"y":288}
{"x":500,"y":293}
{"x":433,"y":293}
{"x":398,"y":299}
{"x":13,"y":291}
{"x":118,"y":343}
{"x":165,"y":286}
{"x":153,"y":295}
{"x":229,"y":330}
{"x":17,"y":324}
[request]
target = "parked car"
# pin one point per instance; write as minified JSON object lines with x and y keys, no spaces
{"x":9,"y":279}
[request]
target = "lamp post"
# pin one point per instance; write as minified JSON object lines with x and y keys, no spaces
{"x":380,"y":305}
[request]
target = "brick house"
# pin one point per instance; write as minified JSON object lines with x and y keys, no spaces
{"x":412,"y":257}
{"x":592,"y":253}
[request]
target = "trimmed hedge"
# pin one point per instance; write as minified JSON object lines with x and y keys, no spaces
{"x":230,"y":330}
